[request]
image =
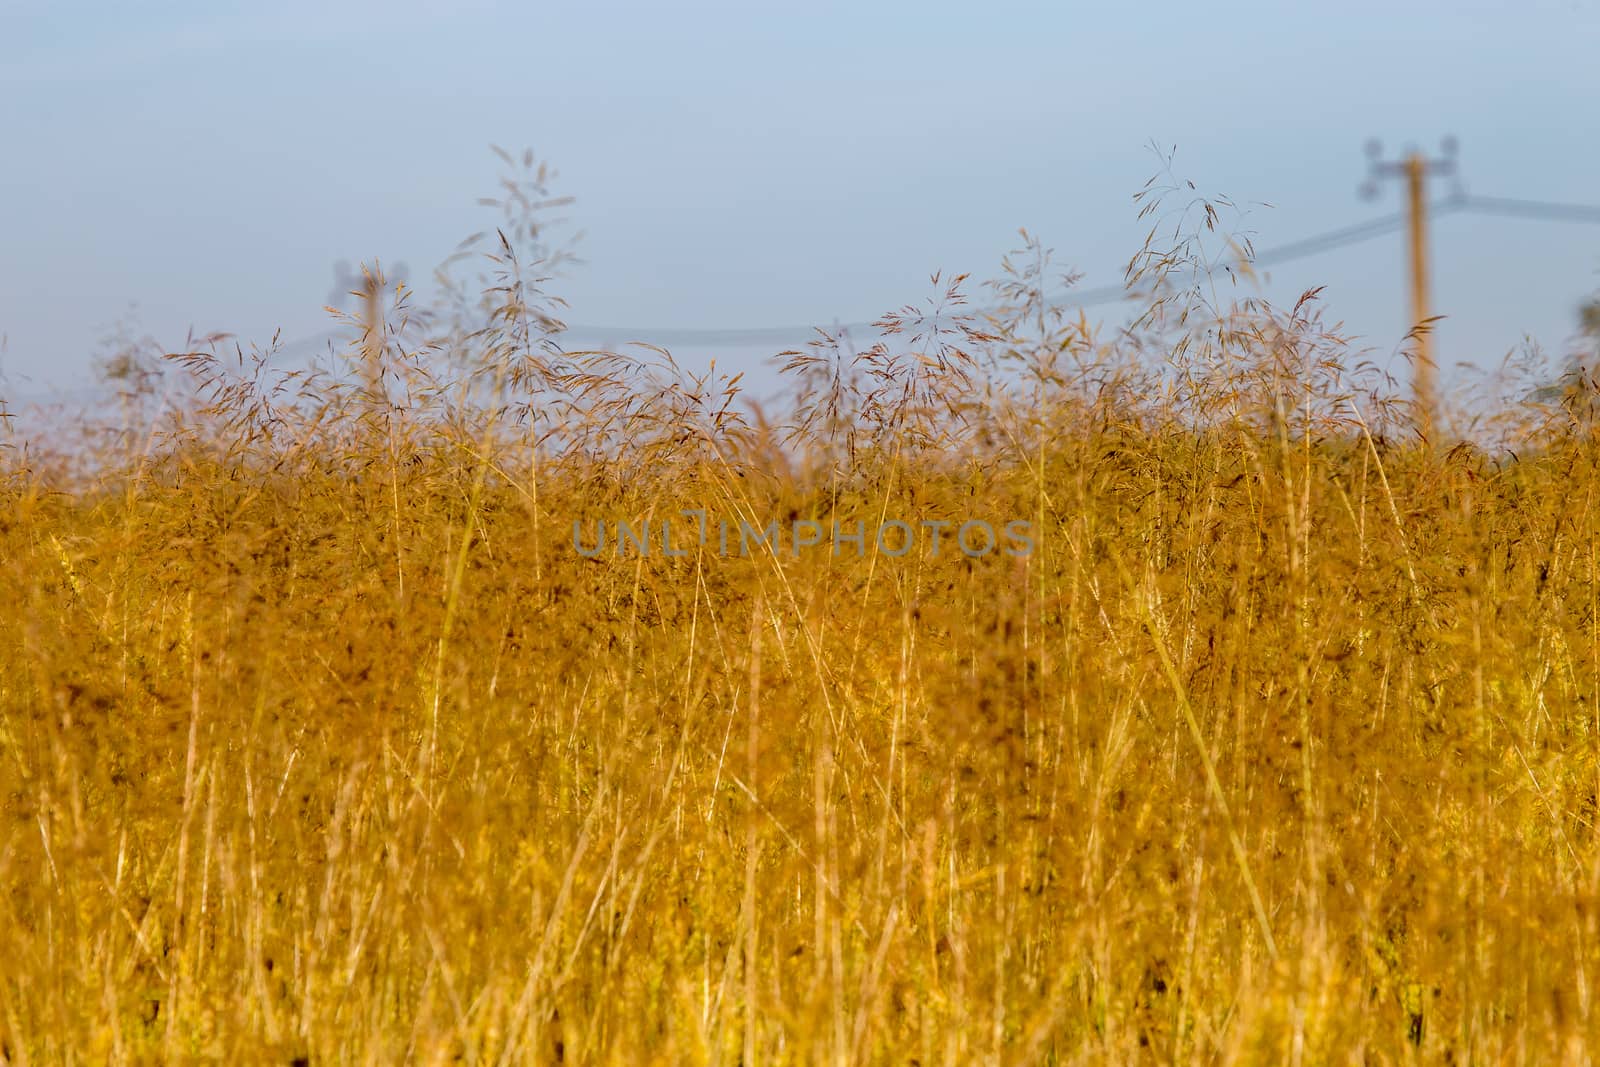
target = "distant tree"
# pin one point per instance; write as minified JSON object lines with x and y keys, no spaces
{"x":1577,"y":388}
{"x":1589,"y":325}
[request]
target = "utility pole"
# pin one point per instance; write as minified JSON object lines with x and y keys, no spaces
{"x":1415,"y":169}
{"x":370,"y":286}
{"x":373,"y":324}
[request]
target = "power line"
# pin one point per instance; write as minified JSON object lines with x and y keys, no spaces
{"x":1530,"y":209}
{"x":764,"y":335}
{"x":1349,"y":235}
{"x":1095,"y":297}
{"x":1109,"y":294}
{"x":1285,"y":253}
{"x":1075,"y":298}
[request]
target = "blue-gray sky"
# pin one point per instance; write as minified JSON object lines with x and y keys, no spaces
{"x":742,"y":165}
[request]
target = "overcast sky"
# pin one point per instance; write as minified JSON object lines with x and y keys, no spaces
{"x":748,"y":165}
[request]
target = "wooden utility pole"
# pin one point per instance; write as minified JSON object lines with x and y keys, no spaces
{"x":370,"y":287}
{"x":373,"y":327}
{"x":1415,"y":169}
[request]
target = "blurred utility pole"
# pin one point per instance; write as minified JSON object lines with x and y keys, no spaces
{"x":1415,"y":169}
{"x":370,"y":287}
{"x":372,"y":323}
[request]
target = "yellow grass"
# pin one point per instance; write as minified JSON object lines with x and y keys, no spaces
{"x":320,"y":742}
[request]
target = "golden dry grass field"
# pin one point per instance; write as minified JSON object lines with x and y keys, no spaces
{"x":322,"y":742}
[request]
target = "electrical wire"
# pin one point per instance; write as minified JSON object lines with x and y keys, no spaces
{"x":1084,"y":298}
{"x":582,"y":335}
{"x":1530,"y":209}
